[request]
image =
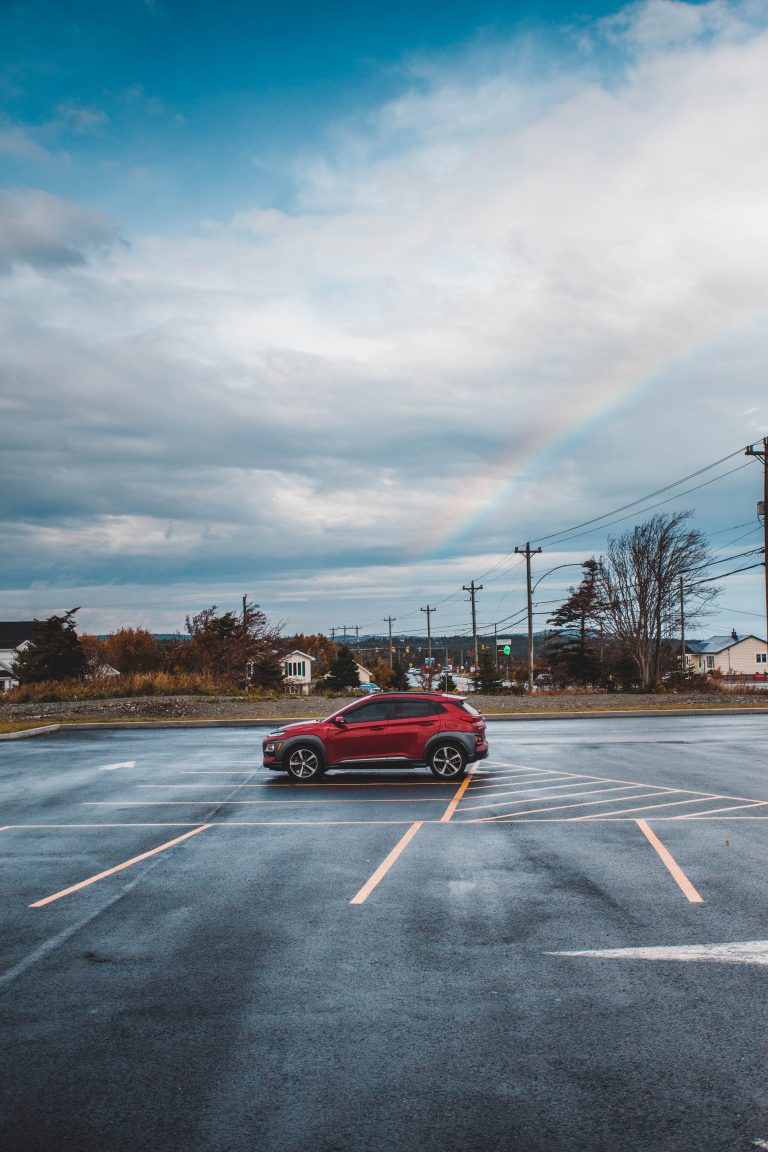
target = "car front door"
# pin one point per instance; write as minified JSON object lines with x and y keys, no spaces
{"x":361,"y":735}
{"x":412,"y":724}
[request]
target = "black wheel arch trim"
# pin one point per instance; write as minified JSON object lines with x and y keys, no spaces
{"x":464,"y":739}
{"x":313,"y":742}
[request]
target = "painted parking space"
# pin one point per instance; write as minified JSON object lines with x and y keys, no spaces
{"x":542,"y":980}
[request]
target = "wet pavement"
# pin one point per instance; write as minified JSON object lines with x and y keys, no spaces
{"x":198,"y":954}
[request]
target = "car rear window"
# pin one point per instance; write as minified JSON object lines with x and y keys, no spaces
{"x":409,"y":709}
{"x":468,"y":708}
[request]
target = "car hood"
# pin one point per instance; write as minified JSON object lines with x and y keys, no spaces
{"x":295,"y":729}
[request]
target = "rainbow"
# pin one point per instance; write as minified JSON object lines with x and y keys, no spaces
{"x":490,"y":491}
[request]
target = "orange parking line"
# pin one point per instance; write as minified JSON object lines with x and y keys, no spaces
{"x":213,"y":803}
{"x":671,"y":864}
{"x":444,"y":819}
{"x":117,"y":868}
{"x":386,"y":864}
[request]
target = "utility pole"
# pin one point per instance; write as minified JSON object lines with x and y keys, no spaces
{"x":763,"y":455}
{"x":333,"y":635}
{"x":429,"y":612}
{"x":245,"y":639}
{"x":472,"y":588}
{"x":357,"y":635}
{"x":528,"y":552}
{"x":496,"y":645}
{"x":683,"y":662}
{"x":390,"y":620}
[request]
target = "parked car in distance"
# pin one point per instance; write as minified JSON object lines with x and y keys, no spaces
{"x":370,"y":689}
{"x":393,"y":730}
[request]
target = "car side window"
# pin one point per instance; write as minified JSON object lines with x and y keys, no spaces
{"x":368,"y":713}
{"x":411,"y":709}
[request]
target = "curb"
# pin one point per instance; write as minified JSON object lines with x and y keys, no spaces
{"x":25,"y":733}
{"x":278,"y":721}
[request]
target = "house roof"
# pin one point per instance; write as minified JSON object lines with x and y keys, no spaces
{"x":718,"y":644}
{"x":15,"y":632}
{"x":297,"y":652}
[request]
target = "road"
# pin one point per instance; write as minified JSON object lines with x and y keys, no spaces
{"x":567,"y":952}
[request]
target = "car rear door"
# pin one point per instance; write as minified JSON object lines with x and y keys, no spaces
{"x":412,"y":724}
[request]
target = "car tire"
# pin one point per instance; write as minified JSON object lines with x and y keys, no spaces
{"x":447,"y":761}
{"x":304,"y":763}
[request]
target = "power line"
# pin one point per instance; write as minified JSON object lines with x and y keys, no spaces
{"x":659,"y":504}
{"x":650,"y":496}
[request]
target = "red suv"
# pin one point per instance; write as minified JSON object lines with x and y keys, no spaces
{"x":394,"y":730}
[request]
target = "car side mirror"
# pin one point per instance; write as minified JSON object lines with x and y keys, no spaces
{"x":339,"y":721}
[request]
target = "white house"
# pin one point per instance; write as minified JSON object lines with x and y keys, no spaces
{"x":297,"y":671}
{"x":15,"y":636}
{"x":364,"y":674}
{"x":732,"y":655}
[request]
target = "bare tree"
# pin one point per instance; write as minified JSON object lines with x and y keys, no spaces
{"x":638,"y":587}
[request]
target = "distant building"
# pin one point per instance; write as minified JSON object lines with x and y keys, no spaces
{"x":297,"y":671}
{"x":15,"y":636}
{"x":745,"y":657}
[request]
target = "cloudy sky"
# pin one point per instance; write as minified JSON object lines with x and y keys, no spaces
{"x":335,"y":305}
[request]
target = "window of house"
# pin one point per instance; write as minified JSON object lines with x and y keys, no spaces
{"x":761,"y":658}
{"x":710,"y":661}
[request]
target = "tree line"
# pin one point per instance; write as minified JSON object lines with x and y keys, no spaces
{"x":612,"y":630}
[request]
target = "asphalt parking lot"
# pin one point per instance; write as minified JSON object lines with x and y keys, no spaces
{"x":565,"y":951}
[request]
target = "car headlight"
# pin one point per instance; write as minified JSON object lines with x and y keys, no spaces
{"x":270,"y":747}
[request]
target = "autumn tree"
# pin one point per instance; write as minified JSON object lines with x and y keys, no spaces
{"x":222,"y":646}
{"x":55,"y":654}
{"x":128,"y":650}
{"x":637,"y":584}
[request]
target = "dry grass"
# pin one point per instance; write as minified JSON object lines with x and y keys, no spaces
{"x":122,"y":687}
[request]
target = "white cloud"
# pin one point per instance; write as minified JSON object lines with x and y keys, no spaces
{"x":493,"y":265}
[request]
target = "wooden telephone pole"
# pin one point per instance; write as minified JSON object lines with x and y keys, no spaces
{"x":762,"y":454}
{"x":472,"y":588}
{"x":429,"y":612}
{"x":528,"y":552}
{"x":390,"y":620}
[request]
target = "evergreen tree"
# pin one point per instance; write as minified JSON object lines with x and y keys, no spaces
{"x":571,"y":651}
{"x":486,"y":676}
{"x":265,"y":672}
{"x":399,"y":681}
{"x":56,"y":653}
{"x":343,"y":672}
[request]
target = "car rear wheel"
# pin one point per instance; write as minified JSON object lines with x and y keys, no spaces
{"x":448,"y":761}
{"x":304,"y":763}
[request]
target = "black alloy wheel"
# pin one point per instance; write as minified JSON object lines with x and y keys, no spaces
{"x":448,"y":761}
{"x":304,"y":763}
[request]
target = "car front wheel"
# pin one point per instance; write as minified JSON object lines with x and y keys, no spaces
{"x":447,"y":761}
{"x":304,"y":763}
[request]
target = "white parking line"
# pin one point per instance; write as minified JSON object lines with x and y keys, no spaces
{"x":560,"y":796}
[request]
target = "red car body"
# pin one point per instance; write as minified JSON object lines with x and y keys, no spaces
{"x":398,"y":729}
